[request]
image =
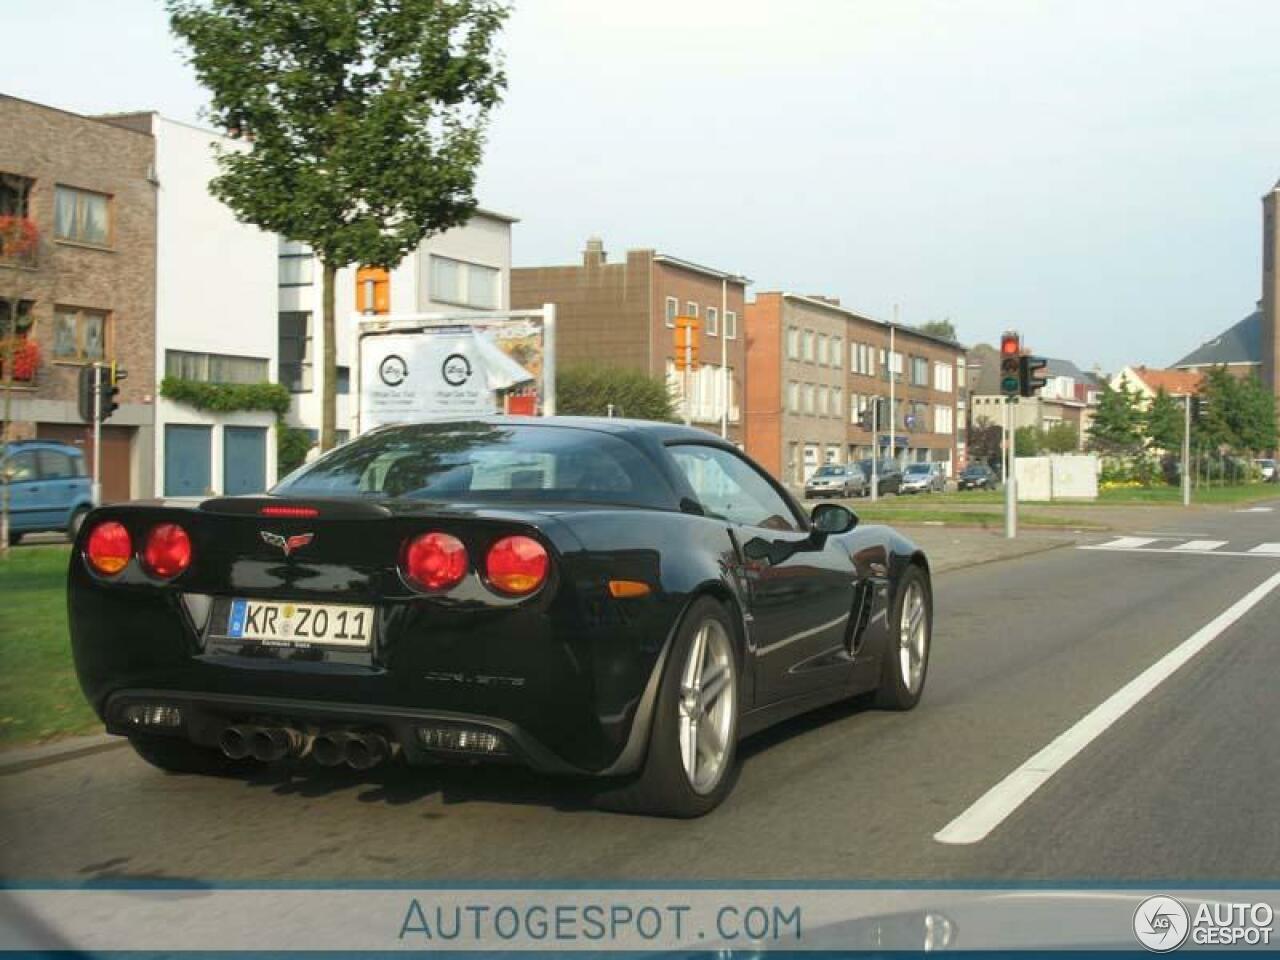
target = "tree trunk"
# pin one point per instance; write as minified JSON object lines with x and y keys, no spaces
{"x":7,"y":422}
{"x":329,"y":390}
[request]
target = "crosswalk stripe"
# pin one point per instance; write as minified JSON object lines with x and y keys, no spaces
{"x":1126,"y":543}
{"x":1271,"y":549}
{"x":1201,"y":545}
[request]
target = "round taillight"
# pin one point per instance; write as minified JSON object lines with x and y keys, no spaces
{"x":516,"y":565}
{"x":108,"y":548}
{"x":434,"y":561}
{"x":167,"y":552}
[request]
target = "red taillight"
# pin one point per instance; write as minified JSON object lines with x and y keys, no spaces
{"x":516,"y":565}
{"x":434,"y":561}
{"x":167,"y":552}
{"x":108,"y":548}
{"x":300,"y":513}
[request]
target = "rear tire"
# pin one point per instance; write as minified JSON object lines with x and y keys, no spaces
{"x":179,"y":756}
{"x":905,"y":664}
{"x":696,"y":715}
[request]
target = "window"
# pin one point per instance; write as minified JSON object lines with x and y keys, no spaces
{"x":793,"y":461}
{"x":15,"y":192}
{"x":730,"y":325}
{"x":296,"y":261}
{"x":942,"y":420}
{"x":808,"y":398}
{"x":81,"y":216}
{"x":730,"y":488}
{"x":919,"y":372}
{"x":21,"y":467}
{"x":808,"y":346}
{"x":214,"y":367}
{"x":793,"y":396}
{"x":21,"y":324}
{"x":691,"y":309}
{"x":466,"y":284}
{"x":942,"y":378}
{"x":56,"y":465}
{"x":713,"y":322}
{"x":79,"y":335}
{"x":793,"y":343}
{"x":822,"y":349}
{"x":837,"y":401}
{"x":837,"y":352}
{"x":443,"y":461}
{"x":295,"y":351}
{"x":824,"y":396}
{"x":673,"y":311}
{"x":342,"y":384}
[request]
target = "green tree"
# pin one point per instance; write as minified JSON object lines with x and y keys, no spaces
{"x":364,"y":122}
{"x":984,"y":442}
{"x":1254,"y":417}
{"x":1116,"y":429}
{"x":587,"y":391}
{"x":939,"y":328}
{"x":1026,"y":442}
{"x":1163,"y":423}
{"x":1060,"y":438}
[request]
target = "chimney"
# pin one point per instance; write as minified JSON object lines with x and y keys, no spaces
{"x":594,"y":255}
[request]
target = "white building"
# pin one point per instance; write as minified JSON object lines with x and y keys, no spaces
{"x":215,"y":319}
{"x":467,"y":268}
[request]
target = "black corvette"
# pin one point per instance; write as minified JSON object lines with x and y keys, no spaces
{"x":604,"y":597}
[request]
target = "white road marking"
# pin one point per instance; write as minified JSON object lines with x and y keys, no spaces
{"x":1005,"y":797}
{"x":1125,"y":543}
{"x":1255,"y":553}
{"x":1267,"y":549}
{"x":1202,"y":546}
{"x":1256,"y":510}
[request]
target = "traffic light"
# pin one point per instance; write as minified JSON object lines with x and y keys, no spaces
{"x":104,"y":380}
{"x":107,"y":384}
{"x":1200,"y":407}
{"x":1028,"y":369}
{"x":686,"y":351}
{"x":1010,"y":365}
{"x":88,"y":383}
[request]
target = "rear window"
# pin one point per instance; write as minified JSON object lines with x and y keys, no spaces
{"x":489,"y":462}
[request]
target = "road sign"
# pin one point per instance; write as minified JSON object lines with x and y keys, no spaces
{"x":686,"y":346}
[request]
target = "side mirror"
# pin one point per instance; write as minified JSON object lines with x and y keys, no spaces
{"x":832,"y":518}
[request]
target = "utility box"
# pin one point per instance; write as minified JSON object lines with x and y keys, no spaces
{"x":1058,"y":477}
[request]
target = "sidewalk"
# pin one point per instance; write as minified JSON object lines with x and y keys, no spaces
{"x":953,"y":548}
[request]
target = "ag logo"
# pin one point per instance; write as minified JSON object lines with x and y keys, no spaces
{"x":1161,"y":924}
{"x":393,"y":370}
{"x":456,"y":369}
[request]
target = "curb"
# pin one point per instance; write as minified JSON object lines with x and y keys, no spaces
{"x":1013,"y":556}
{"x":16,"y":761}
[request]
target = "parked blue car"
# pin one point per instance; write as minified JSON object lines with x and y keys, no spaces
{"x":49,"y":488}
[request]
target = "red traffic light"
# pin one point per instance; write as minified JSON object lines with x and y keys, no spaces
{"x":1010,"y":345}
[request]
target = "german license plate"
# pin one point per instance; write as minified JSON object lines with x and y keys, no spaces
{"x":295,"y":624}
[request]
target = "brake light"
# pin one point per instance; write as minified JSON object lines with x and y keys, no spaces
{"x":434,"y":561}
{"x":300,"y":513}
{"x":516,"y":565}
{"x":167,"y":552}
{"x":108,"y":548}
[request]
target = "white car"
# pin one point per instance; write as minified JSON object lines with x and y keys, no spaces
{"x":1268,"y":468}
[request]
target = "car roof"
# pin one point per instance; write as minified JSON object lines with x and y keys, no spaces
{"x":17,"y":446}
{"x":662,"y":431}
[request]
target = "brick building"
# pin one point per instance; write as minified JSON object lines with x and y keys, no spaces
{"x":624,"y":314}
{"x":815,"y":368}
{"x":86,"y":292}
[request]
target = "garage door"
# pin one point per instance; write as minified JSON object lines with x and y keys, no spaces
{"x":244,"y":460}
{"x":117,"y":443}
{"x":186,"y":460}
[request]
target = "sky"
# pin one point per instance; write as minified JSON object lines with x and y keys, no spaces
{"x":1087,"y":172}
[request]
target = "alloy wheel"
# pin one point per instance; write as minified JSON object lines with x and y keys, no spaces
{"x":913,"y":637}
{"x":708,"y":699}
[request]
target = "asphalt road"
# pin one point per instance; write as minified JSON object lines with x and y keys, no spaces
{"x":1182,"y":787}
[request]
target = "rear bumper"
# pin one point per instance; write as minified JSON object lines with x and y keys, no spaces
{"x":206,"y":716}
